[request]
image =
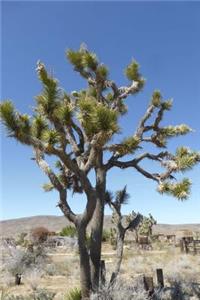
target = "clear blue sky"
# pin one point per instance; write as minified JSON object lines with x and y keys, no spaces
{"x":163,"y":37}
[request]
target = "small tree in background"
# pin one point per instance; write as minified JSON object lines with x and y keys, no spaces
{"x":39,"y":234}
{"x":131,"y":222}
{"x":147,"y":226}
{"x":68,"y":231}
{"x":78,"y":129}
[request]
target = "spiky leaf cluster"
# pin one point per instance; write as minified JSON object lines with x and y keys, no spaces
{"x":122,"y":196}
{"x":50,"y":136}
{"x":87,"y":64}
{"x":170,"y":131}
{"x":133,"y":74}
{"x":156,"y":98}
{"x":64,"y":113}
{"x":180,"y":190}
{"x":48,"y":100}
{"x":132,"y":71}
{"x":48,"y":187}
{"x":186,"y":159}
{"x":164,"y":133}
{"x":102,"y":72}
{"x":39,"y":125}
{"x":8,"y":116}
{"x":96,"y":117}
{"x":127,"y":146}
{"x":18,"y":125}
{"x":158,"y":102}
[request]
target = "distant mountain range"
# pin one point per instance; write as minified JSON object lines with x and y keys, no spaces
{"x":11,"y":228}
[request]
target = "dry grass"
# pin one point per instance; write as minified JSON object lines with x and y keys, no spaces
{"x":61,"y":272}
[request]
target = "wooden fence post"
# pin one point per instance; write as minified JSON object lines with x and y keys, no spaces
{"x":160,"y":277}
{"x":103,"y":272}
{"x":182,"y":245}
{"x":194,"y":247}
{"x":148,"y":285}
{"x":18,"y":279}
{"x":186,"y":245}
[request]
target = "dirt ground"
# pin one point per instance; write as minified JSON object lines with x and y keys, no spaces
{"x":61,"y":273}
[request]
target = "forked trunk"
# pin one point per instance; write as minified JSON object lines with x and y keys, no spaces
{"x":85,"y":275}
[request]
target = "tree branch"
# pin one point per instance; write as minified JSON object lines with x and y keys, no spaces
{"x":57,"y":184}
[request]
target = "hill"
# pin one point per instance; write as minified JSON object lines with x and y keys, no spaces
{"x":13,"y":227}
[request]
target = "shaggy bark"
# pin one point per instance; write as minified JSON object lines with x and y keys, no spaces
{"x":85,"y":276}
{"x":97,"y":224}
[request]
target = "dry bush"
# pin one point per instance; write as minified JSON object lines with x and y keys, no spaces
{"x":134,"y":290}
{"x":22,"y":261}
{"x":33,"y":278}
{"x":39,"y":235}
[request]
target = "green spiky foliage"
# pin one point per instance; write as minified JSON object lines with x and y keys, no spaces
{"x":133,"y":74}
{"x":127,"y":146}
{"x":180,"y":190}
{"x":146,"y":225}
{"x":74,"y":294}
{"x":156,"y":98}
{"x":186,"y":159}
{"x":48,"y":187}
{"x":122,"y":196}
{"x":96,"y":117}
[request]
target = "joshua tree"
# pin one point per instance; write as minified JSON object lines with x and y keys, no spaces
{"x":147,"y":226}
{"x":77,"y":128}
{"x":131,"y":222}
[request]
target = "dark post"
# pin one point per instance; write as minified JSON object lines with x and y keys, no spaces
{"x":148,"y":285}
{"x":182,"y":245}
{"x":103,"y":272}
{"x":194,"y":247}
{"x":30,"y":248}
{"x":18,"y":279}
{"x":186,"y":245}
{"x":160,"y":277}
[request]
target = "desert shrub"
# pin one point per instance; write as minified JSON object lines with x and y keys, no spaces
{"x":106,"y":235}
{"x":68,"y":231}
{"x":121,"y":290}
{"x":39,"y":235}
{"x":20,"y":260}
{"x":74,"y":294}
{"x":51,"y":269}
{"x":21,"y":241}
{"x":42,"y":294}
{"x":16,"y":262}
{"x":33,"y":277}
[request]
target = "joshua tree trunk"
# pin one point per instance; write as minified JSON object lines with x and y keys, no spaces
{"x":85,"y":275}
{"x":97,"y":227}
{"x":95,"y":243}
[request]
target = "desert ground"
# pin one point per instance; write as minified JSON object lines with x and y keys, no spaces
{"x":58,"y":271}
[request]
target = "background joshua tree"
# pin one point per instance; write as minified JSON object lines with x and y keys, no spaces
{"x":147,"y":226}
{"x":77,"y":129}
{"x":131,"y":222}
